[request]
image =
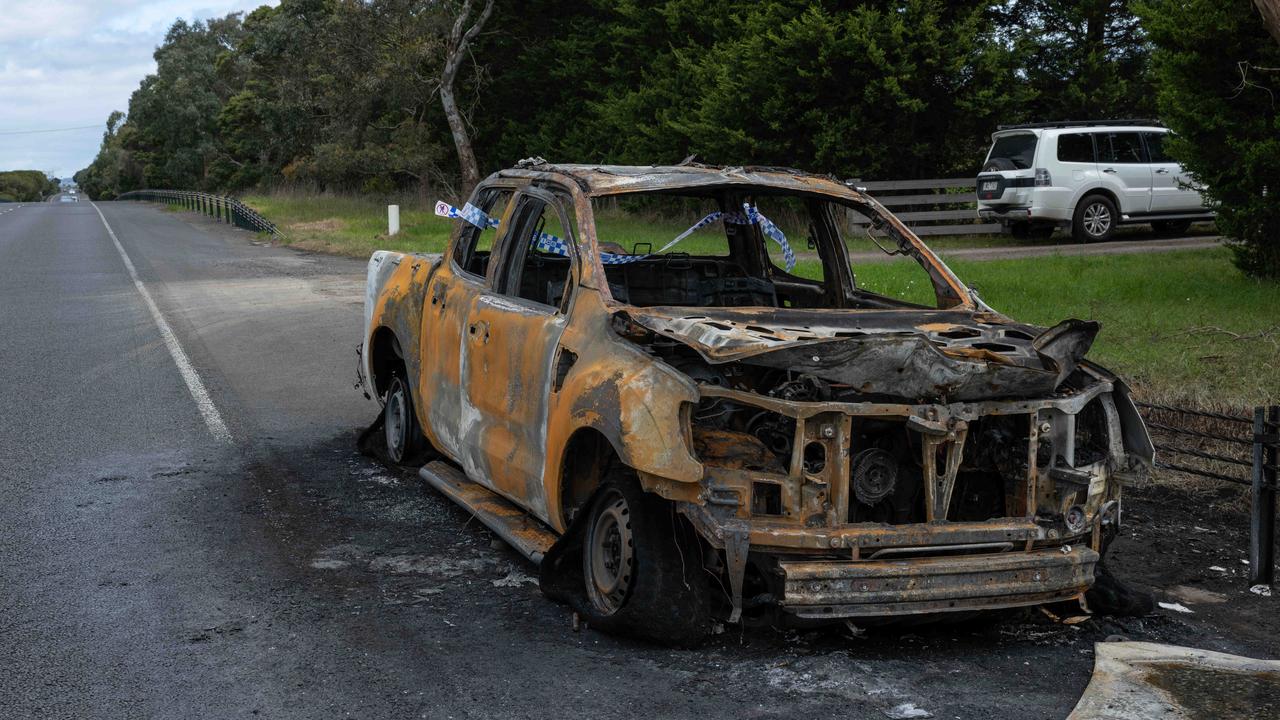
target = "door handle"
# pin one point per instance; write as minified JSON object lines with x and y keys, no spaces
{"x":1162,"y":171}
{"x":1109,"y":170}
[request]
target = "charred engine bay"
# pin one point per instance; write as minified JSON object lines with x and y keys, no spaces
{"x":885,"y":460}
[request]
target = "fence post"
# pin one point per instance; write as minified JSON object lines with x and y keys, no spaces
{"x":1262,"y":523}
{"x":393,"y":219}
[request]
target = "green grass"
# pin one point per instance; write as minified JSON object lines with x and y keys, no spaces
{"x":1182,"y":326}
{"x":351,"y":225}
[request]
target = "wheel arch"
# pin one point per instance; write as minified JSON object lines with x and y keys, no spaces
{"x":584,"y":464}
{"x":385,"y":355}
{"x":1096,"y":190}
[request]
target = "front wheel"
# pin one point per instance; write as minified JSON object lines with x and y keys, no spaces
{"x":642,"y":567}
{"x":1095,"y":219}
{"x":609,"y":555}
{"x":404,"y":439}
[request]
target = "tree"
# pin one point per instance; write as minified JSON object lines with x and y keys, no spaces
{"x":1218,"y":75}
{"x":1082,"y":59}
{"x":1270,"y":10}
{"x":456,"y":50}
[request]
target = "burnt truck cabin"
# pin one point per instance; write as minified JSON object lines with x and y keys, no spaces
{"x":713,"y":427}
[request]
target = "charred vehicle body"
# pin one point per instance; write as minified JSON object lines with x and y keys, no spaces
{"x":715,"y":429}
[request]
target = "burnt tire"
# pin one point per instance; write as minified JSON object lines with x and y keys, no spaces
{"x":1170,"y":228}
{"x":1095,"y":219}
{"x":403,"y":441}
{"x":638,"y":567}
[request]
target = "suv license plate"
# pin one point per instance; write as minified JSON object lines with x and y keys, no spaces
{"x":989,"y":186}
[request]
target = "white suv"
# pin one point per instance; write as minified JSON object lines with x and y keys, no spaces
{"x":1089,"y":176}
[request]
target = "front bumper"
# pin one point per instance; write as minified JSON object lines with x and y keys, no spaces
{"x":885,"y":588}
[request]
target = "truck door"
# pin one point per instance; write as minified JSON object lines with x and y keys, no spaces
{"x":512,"y":345}
{"x":1124,"y":168}
{"x":450,"y":293}
{"x":1170,"y":189}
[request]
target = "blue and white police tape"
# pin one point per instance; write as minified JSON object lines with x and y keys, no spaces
{"x":551,"y":244}
{"x":774,"y":232}
{"x":548,"y":243}
{"x":469,"y":213}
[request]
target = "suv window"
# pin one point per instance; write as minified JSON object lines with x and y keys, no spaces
{"x":1075,"y":147}
{"x":1124,"y":148}
{"x":1155,"y":147}
{"x":1019,"y":149}
{"x":474,"y":245}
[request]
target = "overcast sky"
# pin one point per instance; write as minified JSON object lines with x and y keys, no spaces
{"x":69,"y":63}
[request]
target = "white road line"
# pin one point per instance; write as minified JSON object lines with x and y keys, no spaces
{"x":212,"y":417}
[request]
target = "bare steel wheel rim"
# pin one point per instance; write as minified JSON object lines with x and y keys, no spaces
{"x":610,"y":555}
{"x":1097,"y":219}
{"x":395,"y":422}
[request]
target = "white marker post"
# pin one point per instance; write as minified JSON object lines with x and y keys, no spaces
{"x":393,"y":219}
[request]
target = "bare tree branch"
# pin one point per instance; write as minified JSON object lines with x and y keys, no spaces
{"x":1270,"y":11}
{"x":455,"y":52}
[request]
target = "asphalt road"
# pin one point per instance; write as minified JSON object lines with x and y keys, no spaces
{"x":151,"y":566}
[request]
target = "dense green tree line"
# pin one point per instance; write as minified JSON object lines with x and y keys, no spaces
{"x":344,"y":94}
{"x":26,"y":186}
{"x":1218,"y":72}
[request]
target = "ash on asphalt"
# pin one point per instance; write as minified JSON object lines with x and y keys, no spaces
{"x":377,"y":540}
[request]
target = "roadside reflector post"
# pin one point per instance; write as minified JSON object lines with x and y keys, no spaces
{"x":393,"y":220}
{"x":1262,"y":522}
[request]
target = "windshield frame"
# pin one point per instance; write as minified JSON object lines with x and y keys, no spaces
{"x":950,"y":292}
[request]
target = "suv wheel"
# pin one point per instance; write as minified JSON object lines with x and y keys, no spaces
{"x":1095,"y":219}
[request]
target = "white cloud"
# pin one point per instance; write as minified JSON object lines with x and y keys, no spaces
{"x":69,"y":63}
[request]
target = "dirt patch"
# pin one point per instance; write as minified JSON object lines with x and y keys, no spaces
{"x":328,"y":225}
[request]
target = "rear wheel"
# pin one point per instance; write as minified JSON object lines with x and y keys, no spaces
{"x":1095,"y":219}
{"x":404,"y":440}
{"x":642,"y":567}
{"x":1170,"y":227}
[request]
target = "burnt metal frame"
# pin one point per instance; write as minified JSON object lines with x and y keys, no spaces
{"x":1264,"y":464}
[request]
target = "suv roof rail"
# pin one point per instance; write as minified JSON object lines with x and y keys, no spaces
{"x":1081,"y":123}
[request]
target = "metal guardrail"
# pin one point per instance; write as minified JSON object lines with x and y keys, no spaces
{"x":219,"y":207}
{"x":937,"y":206}
{"x":1177,"y":431}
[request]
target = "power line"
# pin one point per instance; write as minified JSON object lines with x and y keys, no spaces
{"x":50,"y":130}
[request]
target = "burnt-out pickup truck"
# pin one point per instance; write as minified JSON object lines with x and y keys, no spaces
{"x":730,"y":427}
